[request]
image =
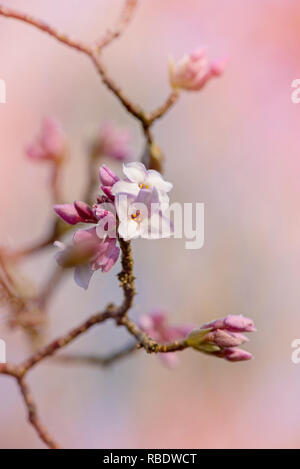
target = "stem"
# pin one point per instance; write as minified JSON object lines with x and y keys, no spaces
{"x":125,"y":18}
{"x":33,"y":415}
{"x":126,"y":277}
{"x":63,"y":341}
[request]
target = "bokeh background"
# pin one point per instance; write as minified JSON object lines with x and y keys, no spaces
{"x":234,"y":146}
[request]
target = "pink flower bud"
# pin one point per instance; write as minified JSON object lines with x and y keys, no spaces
{"x":232,"y":323}
{"x":85,"y":211}
{"x":193,"y":71}
{"x":236,"y":323}
{"x":68,"y":213}
{"x":50,"y":144}
{"x":236,"y":355}
{"x":223,"y":339}
{"x":108,"y":192}
{"x":113,"y":142}
{"x":80,"y":212}
{"x":107,"y":176}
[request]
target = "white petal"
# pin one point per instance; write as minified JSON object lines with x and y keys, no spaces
{"x":82,"y":275}
{"x":125,"y":186}
{"x":128,"y":230}
{"x":135,"y":172}
{"x":164,"y":200}
{"x":122,"y":203}
{"x":159,"y":227}
{"x":155,"y":179}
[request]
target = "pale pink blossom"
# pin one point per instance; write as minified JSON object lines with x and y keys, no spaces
{"x":113,"y":142}
{"x":157,"y":326}
{"x":193,"y":71}
{"x":50,"y":144}
{"x":88,"y":254}
{"x":138,"y":178}
{"x":141,"y":216}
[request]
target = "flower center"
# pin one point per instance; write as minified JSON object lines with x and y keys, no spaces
{"x":144,"y":186}
{"x":136,"y":216}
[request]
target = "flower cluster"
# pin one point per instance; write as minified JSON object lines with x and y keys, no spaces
{"x":193,"y":71}
{"x":133,"y":207}
{"x":223,"y":337}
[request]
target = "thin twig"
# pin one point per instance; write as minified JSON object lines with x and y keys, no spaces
{"x":33,"y":416}
{"x":126,"y":277}
{"x":50,"y":286}
{"x":125,"y":18}
{"x":161,"y":111}
{"x":150,"y":345}
{"x":92,"y":52}
{"x":87,"y":49}
{"x":63,"y":341}
{"x":43,"y":26}
{"x":95,"y":360}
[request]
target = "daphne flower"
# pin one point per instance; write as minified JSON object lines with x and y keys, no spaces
{"x":88,"y":254}
{"x":222,"y":337}
{"x":157,"y":326}
{"x":113,"y":142}
{"x":141,"y":215}
{"x":193,"y":71}
{"x":50,"y":144}
{"x":138,"y":178}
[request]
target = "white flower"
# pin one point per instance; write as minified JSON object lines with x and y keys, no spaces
{"x":141,"y":215}
{"x":139,"y":178}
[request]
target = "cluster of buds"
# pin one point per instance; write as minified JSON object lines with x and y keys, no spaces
{"x":223,"y":337}
{"x":193,"y":71}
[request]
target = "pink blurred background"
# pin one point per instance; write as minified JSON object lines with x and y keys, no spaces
{"x":234,"y":146}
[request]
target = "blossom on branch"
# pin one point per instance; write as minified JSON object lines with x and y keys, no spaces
{"x":92,"y":249}
{"x":139,"y":211}
{"x":50,"y":144}
{"x":142,"y":216}
{"x":137,"y":177}
{"x":88,"y":254}
{"x":193,"y":71}
{"x":113,"y":142}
